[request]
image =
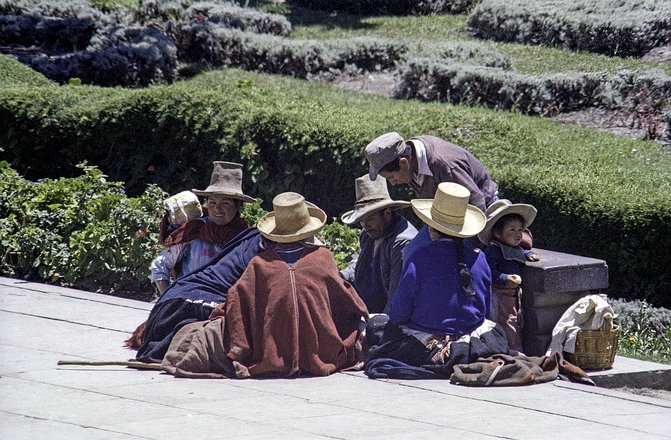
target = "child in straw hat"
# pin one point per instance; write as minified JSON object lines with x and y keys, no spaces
{"x":506,"y":223}
{"x":291,"y":312}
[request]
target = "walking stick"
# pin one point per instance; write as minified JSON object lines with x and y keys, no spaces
{"x":131,"y":364}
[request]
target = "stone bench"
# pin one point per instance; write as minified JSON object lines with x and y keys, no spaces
{"x":550,"y":286}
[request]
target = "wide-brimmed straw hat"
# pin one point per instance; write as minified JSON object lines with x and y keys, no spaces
{"x":449,"y":211}
{"x":371,"y":196}
{"x":291,"y":219}
{"x":226,"y":180}
{"x":504,"y":207}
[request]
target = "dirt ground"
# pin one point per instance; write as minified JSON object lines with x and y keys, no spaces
{"x":648,"y":392}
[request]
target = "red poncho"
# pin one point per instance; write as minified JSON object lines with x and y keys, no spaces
{"x":281,"y":321}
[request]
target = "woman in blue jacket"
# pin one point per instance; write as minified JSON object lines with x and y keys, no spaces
{"x":438,"y":315}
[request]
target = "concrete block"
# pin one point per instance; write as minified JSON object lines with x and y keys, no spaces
{"x":563,"y":299}
{"x":541,"y":320}
{"x":535,"y":345}
{"x":558,"y":272}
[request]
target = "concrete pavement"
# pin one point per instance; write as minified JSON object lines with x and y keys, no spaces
{"x":42,"y":324}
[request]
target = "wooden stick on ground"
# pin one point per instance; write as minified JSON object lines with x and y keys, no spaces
{"x":132,"y":364}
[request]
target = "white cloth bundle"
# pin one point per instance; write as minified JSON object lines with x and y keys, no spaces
{"x":588,"y":313}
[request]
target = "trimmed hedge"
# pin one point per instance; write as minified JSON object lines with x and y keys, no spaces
{"x":597,"y":195}
{"x":612,"y":27}
{"x":124,"y":57}
{"x":14,"y":73}
{"x":632,"y":92}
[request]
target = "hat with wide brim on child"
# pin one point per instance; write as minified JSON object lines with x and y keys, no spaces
{"x":226,"y":181}
{"x":371,"y":196}
{"x":502,"y":207}
{"x":449,"y":211}
{"x":292,"y":219}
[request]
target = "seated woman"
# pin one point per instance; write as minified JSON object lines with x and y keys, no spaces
{"x":291,"y":312}
{"x":438,"y":316}
{"x":194,"y":297}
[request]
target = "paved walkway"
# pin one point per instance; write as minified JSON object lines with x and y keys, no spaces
{"x":41,"y":324}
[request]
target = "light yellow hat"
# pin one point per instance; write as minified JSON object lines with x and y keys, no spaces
{"x":449,"y":211}
{"x":291,"y":219}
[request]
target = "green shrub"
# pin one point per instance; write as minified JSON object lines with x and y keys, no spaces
{"x":14,"y":73}
{"x":613,"y":27}
{"x":81,"y":231}
{"x":645,"y":330}
{"x":597,"y":195}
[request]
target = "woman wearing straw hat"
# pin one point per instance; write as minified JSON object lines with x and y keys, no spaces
{"x":196,"y":242}
{"x":385,"y":232}
{"x":291,"y":312}
{"x":444,"y":293}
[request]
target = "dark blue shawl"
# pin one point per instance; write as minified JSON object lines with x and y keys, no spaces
{"x":193,"y":296}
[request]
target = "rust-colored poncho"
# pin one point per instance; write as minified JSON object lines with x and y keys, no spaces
{"x":281,"y":321}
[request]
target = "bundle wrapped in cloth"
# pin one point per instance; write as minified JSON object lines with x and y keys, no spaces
{"x":182,"y":207}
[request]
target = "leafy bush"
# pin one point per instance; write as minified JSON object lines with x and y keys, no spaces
{"x":82,"y":231}
{"x":645,"y":330}
{"x":436,"y":80}
{"x":597,"y":195}
{"x":342,"y":241}
{"x":127,"y":57}
{"x":613,"y":27}
{"x":236,"y":17}
{"x":72,"y":9}
{"x":13,"y":73}
{"x":48,"y":33}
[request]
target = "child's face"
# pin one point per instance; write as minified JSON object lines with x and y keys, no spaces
{"x":221,"y":209}
{"x":511,"y":233}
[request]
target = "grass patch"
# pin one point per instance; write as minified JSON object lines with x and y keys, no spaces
{"x":533,"y":60}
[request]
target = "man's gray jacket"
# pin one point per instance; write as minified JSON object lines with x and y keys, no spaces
{"x":391,"y":263}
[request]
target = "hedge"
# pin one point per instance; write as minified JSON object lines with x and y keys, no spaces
{"x":598,"y":195}
{"x":612,"y":27}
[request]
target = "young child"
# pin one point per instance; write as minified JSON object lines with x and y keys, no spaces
{"x":505,"y":224}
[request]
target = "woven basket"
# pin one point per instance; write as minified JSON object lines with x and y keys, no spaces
{"x":595,"y":349}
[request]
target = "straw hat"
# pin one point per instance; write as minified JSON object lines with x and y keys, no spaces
{"x":226,"y":180}
{"x":504,"y":207}
{"x":291,"y":219}
{"x":371,"y":196}
{"x":449,"y":211}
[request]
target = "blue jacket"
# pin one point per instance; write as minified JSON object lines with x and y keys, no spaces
{"x":430,"y":298}
{"x":505,"y":260}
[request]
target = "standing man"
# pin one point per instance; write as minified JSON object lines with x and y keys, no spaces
{"x":377,"y":270}
{"x":423,"y":162}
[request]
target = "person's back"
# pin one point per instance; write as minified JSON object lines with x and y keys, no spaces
{"x":430,"y":297}
{"x":310,"y":318}
{"x":451,"y":163}
{"x":291,"y":312}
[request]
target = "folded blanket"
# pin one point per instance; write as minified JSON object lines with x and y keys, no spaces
{"x":197,"y":351}
{"x":506,"y":370}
